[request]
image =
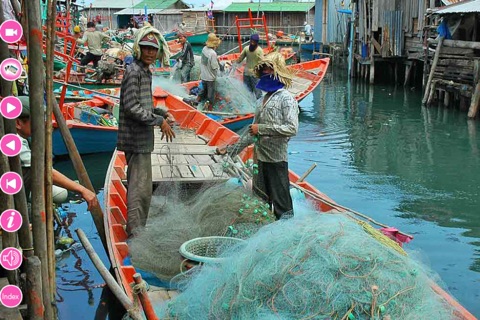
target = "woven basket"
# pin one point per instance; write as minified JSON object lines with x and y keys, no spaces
{"x":207,"y":249}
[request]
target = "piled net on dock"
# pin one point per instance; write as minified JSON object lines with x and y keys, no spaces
{"x":219,"y":210}
{"x":310,"y":267}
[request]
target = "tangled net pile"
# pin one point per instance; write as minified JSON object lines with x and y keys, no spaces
{"x":219,"y":210}
{"x":310,"y":267}
{"x":233,"y":96}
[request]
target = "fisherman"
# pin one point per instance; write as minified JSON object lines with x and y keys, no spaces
{"x":253,"y":53}
{"x":276,"y":121}
{"x":94,"y":39}
{"x":136,"y":122}
{"x":59,"y":180}
{"x":308,"y":30}
{"x":209,"y":67}
{"x":186,"y":60}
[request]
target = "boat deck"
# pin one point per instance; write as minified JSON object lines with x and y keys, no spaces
{"x":188,"y":159}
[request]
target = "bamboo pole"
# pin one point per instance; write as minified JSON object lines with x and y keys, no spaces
{"x":34,"y":297}
{"x":432,"y":70}
{"x":82,"y":174}
{"x":83,"y":88}
{"x":37,"y":119}
{"x":112,"y":284}
{"x":51,"y":13}
{"x":305,"y":175}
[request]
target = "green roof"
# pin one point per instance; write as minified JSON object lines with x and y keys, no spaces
{"x":271,"y":6}
{"x":156,"y":4}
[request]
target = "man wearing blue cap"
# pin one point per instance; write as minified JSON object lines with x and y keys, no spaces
{"x":254,"y":54}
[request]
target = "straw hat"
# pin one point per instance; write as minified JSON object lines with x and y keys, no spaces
{"x":212,"y":40}
{"x":276,"y":61}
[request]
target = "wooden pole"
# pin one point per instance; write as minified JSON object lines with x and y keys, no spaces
{"x":37,"y":119}
{"x":432,"y":70}
{"x":144,"y":299}
{"x":458,"y":43}
{"x":475,"y":103}
{"x":305,"y":175}
{"x":82,"y":174}
{"x":52,"y":10}
{"x":34,"y":296}
{"x":112,"y":284}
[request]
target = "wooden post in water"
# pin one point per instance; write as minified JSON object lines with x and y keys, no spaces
{"x":109,"y":279}
{"x":82,"y":174}
{"x":51,"y":14}
{"x":37,"y":120}
{"x":432,"y":69}
{"x":34,"y":297}
{"x":475,"y":103}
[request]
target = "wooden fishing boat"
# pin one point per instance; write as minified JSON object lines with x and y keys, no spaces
{"x":92,"y":131}
{"x":288,"y":53}
{"x":206,"y":134}
{"x":308,"y":76}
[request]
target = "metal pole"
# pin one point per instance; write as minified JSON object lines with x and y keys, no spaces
{"x":37,"y":116}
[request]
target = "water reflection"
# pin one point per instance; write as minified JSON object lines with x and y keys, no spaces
{"x":380,"y":152}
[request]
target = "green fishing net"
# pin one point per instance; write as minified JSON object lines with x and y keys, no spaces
{"x":312,"y":266}
{"x":176,"y":216}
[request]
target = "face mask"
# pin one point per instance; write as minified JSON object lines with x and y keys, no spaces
{"x":268,"y":83}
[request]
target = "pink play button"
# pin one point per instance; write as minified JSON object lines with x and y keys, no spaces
{"x":10,"y":107}
{"x":10,"y":145}
{"x":11,"y":183}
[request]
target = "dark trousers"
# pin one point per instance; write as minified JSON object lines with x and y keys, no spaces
{"x":139,"y":190}
{"x":89,"y":57}
{"x":273,"y":186}
{"x":208,"y":91}
{"x":251,"y":83}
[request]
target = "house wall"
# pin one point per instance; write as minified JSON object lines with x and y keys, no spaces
{"x":107,"y":16}
{"x":288,"y":22}
{"x":166,"y":22}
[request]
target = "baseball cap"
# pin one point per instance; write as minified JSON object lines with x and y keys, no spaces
{"x":25,"y":107}
{"x":149,"y":40}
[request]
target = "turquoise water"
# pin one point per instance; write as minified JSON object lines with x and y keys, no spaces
{"x":377,"y":152}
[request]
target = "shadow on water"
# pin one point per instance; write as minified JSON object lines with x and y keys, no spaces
{"x":381,"y":153}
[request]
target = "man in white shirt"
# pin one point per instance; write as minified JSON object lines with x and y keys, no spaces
{"x":307,"y":30}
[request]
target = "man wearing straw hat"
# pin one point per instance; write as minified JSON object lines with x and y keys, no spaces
{"x":137,"y":117}
{"x":209,"y":67}
{"x":254,"y":54}
{"x":276,"y":121}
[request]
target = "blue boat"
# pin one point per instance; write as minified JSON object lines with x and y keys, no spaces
{"x":87,"y":139}
{"x":311,"y":46}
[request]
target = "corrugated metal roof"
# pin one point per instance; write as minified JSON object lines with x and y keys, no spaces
{"x":449,"y":2}
{"x":157,"y":4}
{"x":461,"y":7}
{"x":116,"y":4}
{"x":271,"y":6}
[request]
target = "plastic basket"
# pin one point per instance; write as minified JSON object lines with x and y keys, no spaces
{"x":208,"y":249}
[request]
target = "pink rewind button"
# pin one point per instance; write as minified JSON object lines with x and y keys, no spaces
{"x":10,"y":182}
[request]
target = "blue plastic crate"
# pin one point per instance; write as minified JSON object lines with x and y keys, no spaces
{"x":88,"y":117}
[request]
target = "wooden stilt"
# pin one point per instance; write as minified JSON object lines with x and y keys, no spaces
{"x":372,"y":70}
{"x":34,"y":289}
{"x":432,"y":93}
{"x":446,"y":99}
{"x":37,"y":116}
{"x":432,"y":70}
{"x":408,"y":72}
{"x":475,"y":103}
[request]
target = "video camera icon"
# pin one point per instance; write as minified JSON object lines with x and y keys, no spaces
{"x":11,"y":31}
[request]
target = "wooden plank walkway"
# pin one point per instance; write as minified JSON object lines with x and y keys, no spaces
{"x":187,"y":159}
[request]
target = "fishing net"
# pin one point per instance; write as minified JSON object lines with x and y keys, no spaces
{"x":313,"y":266}
{"x":168,"y":85}
{"x":216,"y":210}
